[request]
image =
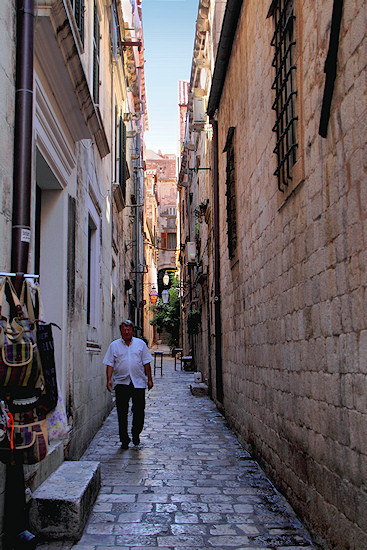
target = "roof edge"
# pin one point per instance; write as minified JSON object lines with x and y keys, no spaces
{"x":227,"y":36}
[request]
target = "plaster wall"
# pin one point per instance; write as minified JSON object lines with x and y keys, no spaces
{"x":294,"y":299}
{"x":89,"y":402}
{"x":74,"y":177}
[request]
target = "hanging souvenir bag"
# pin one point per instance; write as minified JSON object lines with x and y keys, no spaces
{"x":24,"y":443}
{"x":6,"y":433}
{"x":57,"y":422}
{"x":45,"y":344}
{"x":6,"y":423}
{"x":21,"y":378}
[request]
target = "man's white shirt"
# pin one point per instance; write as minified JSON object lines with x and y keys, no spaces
{"x":128,"y":362}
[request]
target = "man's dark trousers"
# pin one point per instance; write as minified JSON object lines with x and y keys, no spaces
{"x":123,"y":394}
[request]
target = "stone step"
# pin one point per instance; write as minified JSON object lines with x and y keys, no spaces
{"x":60,"y":507}
{"x":199,"y":389}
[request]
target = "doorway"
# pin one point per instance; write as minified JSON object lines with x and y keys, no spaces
{"x":50,"y":252}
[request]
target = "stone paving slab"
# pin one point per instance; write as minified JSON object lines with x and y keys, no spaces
{"x":189,"y":485}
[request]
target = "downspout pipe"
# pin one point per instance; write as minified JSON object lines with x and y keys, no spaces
{"x":15,"y":504}
{"x":23,"y":127}
{"x":217,"y":294}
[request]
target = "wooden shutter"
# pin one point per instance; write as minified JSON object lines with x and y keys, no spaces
{"x":164,"y":241}
{"x":117,"y":146}
{"x":96,"y":47}
{"x":122,"y":167}
{"x":79,"y":9}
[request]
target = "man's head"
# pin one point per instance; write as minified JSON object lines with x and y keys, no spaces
{"x":126,"y":329}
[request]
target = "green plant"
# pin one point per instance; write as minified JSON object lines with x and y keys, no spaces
{"x":193,"y":321}
{"x":167,"y":316}
{"x":201,"y":209}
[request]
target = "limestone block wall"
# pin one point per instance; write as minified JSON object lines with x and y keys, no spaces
{"x":294,"y":302}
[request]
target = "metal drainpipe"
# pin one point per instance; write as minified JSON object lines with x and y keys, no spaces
{"x":15,"y":505}
{"x":23,"y":137}
{"x":137,"y":234}
{"x":217,"y":297}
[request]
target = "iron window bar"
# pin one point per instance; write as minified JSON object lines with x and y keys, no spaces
{"x":231,"y":195}
{"x":283,"y":84}
{"x":78,"y":10}
{"x":283,"y":110}
{"x":281,"y":27}
{"x":282,"y":64}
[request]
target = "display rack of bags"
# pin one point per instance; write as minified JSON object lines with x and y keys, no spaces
{"x":28,"y":384}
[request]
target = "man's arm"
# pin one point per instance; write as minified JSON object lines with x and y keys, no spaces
{"x":109,"y":371}
{"x":148,"y":374}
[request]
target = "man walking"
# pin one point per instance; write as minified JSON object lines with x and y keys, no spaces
{"x":129,"y":373}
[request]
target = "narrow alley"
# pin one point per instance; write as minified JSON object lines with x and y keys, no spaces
{"x":188,"y":485}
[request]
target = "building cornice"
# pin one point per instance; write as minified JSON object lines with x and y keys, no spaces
{"x":62,"y":31}
{"x":227,"y":36}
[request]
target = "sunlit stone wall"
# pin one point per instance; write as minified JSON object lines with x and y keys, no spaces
{"x":294,"y":298}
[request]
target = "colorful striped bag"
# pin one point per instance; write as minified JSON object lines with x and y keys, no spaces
{"x":27,"y":444}
{"x":21,"y":377}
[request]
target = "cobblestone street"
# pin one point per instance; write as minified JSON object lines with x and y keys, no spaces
{"x":189,"y":484}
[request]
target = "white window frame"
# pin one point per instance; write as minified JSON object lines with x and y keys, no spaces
{"x":93,"y":260}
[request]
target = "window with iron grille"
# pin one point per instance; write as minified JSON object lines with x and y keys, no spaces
{"x":231,"y":194}
{"x":78,"y":9}
{"x":284,"y":87}
{"x":120,"y":154}
{"x":168,"y":241}
{"x":171,"y":241}
{"x":96,"y":52}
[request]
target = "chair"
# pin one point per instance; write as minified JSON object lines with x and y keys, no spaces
{"x":158,"y":354}
{"x":178,"y":351}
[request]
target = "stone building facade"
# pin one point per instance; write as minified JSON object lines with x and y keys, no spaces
{"x":286,"y":278}
{"x":196,"y":212}
{"x":151,"y":233}
{"x":164,"y":167}
{"x":87,"y":244}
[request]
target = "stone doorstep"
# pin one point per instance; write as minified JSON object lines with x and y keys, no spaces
{"x":36,"y":474}
{"x":199,"y":389}
{"x":60,"y":507}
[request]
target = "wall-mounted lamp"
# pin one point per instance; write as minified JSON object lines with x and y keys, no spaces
{"x":165,"y":279}
{"x":165,"y":296}
{"x":153,"y":295}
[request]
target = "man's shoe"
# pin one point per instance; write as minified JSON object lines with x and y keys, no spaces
{"x":125,"y":444}
{"x":136,"y":439}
